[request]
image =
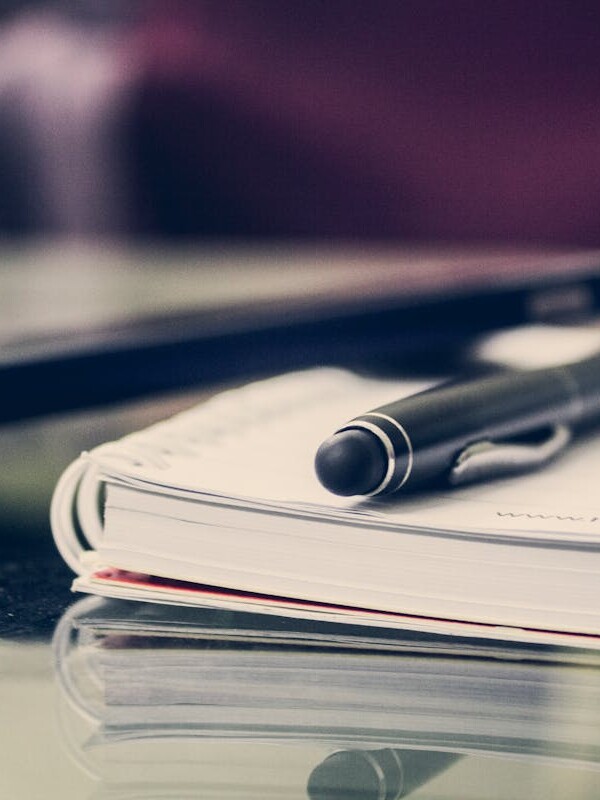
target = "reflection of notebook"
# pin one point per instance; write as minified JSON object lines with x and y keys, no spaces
{"x":220,"y":506}
{"x":96,"y":325}
{"x":164,"y":697}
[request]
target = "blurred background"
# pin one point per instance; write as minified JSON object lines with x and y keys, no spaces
{"x":335,"y":119}
{"x":134,"y":132}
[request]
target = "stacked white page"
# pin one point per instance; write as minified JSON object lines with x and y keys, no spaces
{"x":220,"y":506}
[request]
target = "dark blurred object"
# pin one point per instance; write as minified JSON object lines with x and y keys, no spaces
{"x":413,"y":120}
{"x":340,"y":119}
{"x":86,"y":326}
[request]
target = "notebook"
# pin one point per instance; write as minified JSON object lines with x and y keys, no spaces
{"x":219,"y":506}
{"x":178,"y":696}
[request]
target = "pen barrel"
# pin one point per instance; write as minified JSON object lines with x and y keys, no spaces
{"x":429,"y":430}
{"x":585,"y":379}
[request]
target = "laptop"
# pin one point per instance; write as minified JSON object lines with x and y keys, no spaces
{"x":84,"y":326}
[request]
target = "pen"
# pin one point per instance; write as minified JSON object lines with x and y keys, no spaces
{"x":460,"y":432}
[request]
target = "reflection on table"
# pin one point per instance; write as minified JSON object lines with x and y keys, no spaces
{"x":160,"y":702}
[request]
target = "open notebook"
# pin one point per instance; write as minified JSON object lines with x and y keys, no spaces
{"x":220,"y":506}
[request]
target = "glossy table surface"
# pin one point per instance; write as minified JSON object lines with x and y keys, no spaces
{"x":52,"y":748}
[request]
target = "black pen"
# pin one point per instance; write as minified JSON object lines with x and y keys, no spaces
{"x":460,"y":432}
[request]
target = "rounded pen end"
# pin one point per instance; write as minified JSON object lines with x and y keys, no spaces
{"x":351,"y":462}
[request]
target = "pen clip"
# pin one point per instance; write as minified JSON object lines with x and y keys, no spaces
{"x":486,"y":459}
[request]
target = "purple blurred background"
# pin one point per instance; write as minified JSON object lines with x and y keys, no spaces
{"x":419,"y":120}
